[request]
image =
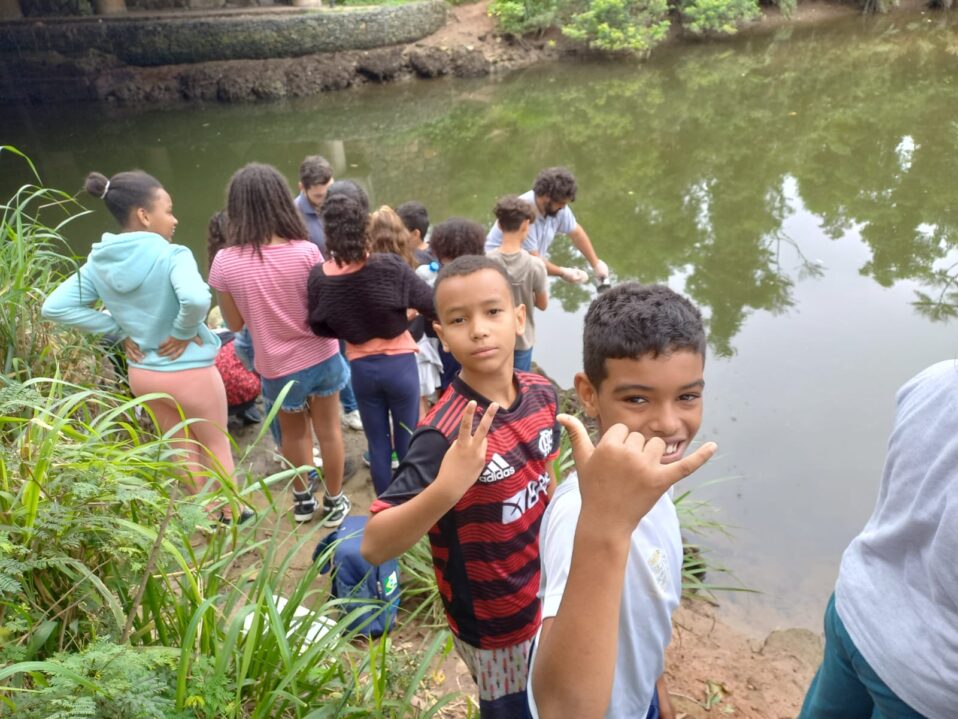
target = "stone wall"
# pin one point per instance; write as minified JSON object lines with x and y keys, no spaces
{"x":151,"y":41}
{"x":79,"y":8}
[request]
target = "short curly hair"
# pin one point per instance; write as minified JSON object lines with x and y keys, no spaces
{"x":346,"y":224}
{"x":556,"y":183}
{"x":632,"y":320}
{"x":456,"y":237}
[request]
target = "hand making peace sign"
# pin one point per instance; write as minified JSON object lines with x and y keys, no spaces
{"x":466,"y":456}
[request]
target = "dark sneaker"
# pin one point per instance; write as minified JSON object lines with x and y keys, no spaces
{"x":245,"y":515}
{"x":251,"y":415}
{"x":335,"y":510}
{"x":304,"y":506}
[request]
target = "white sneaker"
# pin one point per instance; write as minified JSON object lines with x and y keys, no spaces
{"x":352,"y":421}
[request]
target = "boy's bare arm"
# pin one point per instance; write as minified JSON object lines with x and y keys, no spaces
{"x":584,"y":632}
{"x":392,"y":531}
{"x":541,"y":300}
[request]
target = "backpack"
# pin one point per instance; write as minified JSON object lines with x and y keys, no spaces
{"x":361,"y":583}
{"x":242,"y":386}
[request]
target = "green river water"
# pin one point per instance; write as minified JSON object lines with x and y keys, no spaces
{"x":797,"y":185}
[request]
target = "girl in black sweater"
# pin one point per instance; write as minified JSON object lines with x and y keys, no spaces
{"x":364,"y":299}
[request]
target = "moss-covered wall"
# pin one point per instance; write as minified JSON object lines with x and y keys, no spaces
{"x":80,"y":8}
{"x":168,"y":41}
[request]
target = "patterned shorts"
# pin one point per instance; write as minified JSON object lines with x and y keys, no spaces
{"x":500,"y":675}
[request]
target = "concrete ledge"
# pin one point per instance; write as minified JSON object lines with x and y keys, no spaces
{"x":156,"y":40}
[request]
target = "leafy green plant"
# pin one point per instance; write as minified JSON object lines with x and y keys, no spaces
{"x":420,"y":593}
{"x":33,"y":259}
{"x":717,"y":16}
{"x":103,"y":681}
{"x":522,"y":16}
{"x":100,"y":559}
{"x":633,"y":26}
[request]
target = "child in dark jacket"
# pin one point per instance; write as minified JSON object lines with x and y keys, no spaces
{"x":363,"y":298}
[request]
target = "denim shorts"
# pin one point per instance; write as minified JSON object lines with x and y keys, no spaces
{"x":320,"y":380}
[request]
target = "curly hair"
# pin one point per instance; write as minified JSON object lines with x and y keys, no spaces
{"x":632,"y":320}
{"x":260,"y":206}
{"x":346,"y":225}
{"x":352,"y":190}
{"x":456,"y":237}
{"x":556,"y":183}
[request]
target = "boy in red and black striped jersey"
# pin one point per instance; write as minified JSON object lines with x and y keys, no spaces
{"x":476,"y":478}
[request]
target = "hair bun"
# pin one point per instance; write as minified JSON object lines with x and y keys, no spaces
{"x":96,"y":184}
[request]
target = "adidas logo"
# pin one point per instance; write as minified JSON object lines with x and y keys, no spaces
{"x":497,"y":469}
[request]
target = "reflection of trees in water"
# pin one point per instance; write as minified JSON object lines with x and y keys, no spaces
{"x":686,"y":164}
{"x":683,"y":164}
{"x":940,"y":302}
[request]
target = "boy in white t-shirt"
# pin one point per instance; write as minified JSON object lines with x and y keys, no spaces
{"x":610,"y":545}
{"x":527,"y":273}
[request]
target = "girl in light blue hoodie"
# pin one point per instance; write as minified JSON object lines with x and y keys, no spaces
{"x":157,"y":301}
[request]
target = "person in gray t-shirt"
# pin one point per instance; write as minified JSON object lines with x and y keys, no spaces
{"x":891,"y":628}
{"x":530,"y":285}
{"x":550,"y":195}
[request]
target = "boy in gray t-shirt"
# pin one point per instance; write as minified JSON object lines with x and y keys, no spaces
{"x":891,"y":627}
{"x":527,"y":272}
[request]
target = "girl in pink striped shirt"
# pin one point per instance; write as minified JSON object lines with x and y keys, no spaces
{"x":260,"y":280}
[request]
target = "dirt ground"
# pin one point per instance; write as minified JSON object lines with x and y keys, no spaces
{"x":713,"y":669}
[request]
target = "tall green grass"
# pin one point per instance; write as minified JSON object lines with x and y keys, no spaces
{"x":107,"y":574}
{"x":33,"y":259}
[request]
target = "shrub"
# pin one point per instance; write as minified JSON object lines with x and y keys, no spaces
{"x":634,"y":26}
{"x":717,"y":16}
{"x":625,"y":26}
{"x":522,"y":16}
{"x":105,"y":579}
